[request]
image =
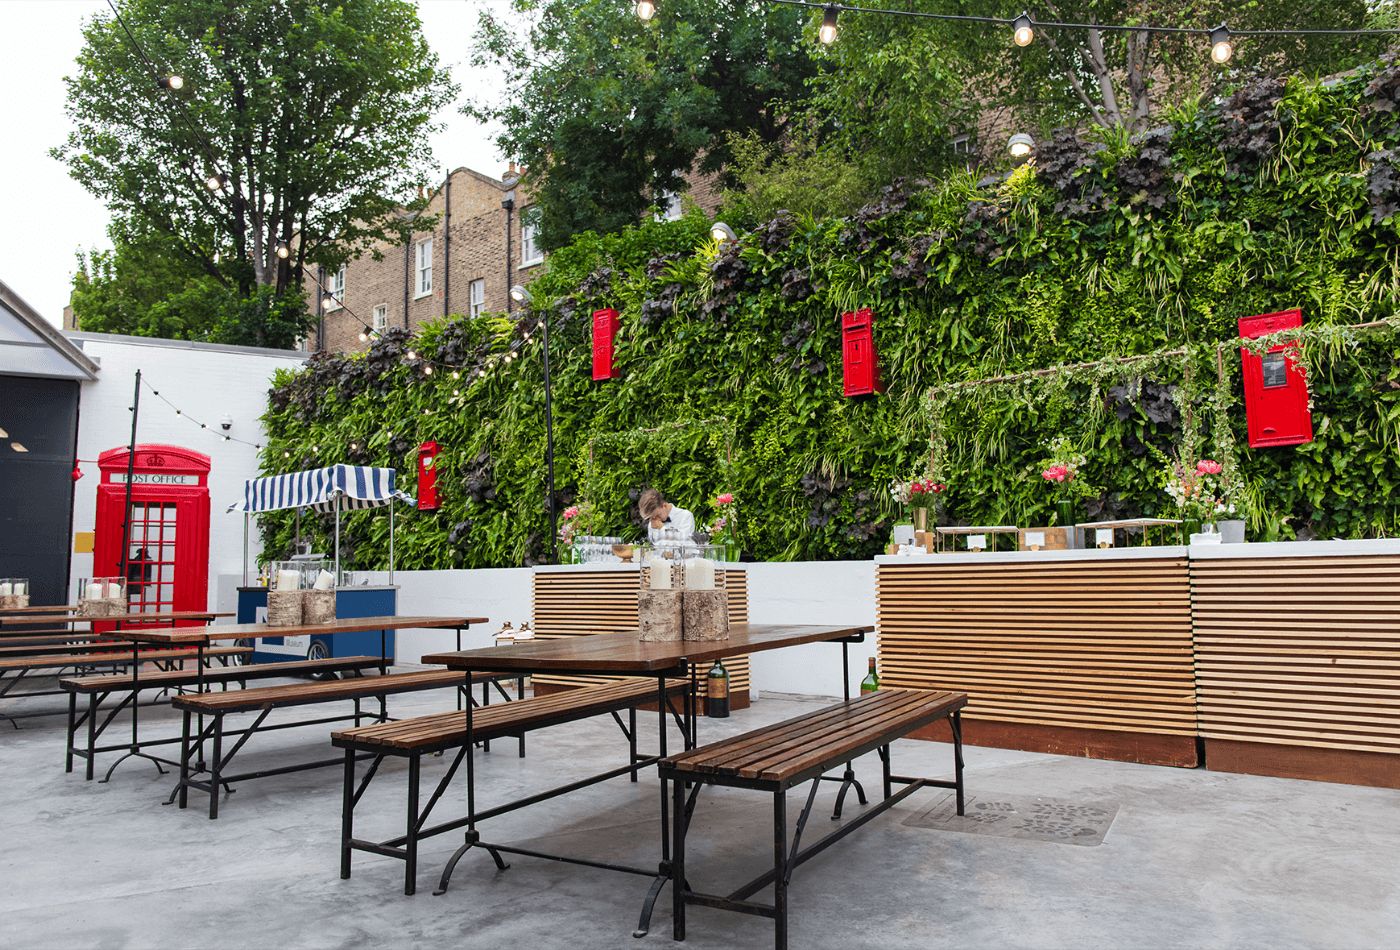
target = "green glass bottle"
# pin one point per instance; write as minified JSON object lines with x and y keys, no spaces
{"x":872,"y":679}
{"x":717,"y":692}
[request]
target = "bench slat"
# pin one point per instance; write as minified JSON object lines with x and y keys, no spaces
{"x":301,"y":694}
{"x":819,"y":740}
{"x":110,"y":683}
{"x":447,"y":729}
{"x":48,"y":662}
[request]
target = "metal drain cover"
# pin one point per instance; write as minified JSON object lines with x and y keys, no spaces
{"x":1030,"y":817}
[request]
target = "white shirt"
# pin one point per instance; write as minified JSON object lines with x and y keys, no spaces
{"x":682,"y":521}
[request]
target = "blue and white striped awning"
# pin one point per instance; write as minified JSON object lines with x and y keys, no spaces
{"x":319,"y":488}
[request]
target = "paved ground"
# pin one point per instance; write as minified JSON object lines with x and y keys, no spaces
{"x":1191,"y":858}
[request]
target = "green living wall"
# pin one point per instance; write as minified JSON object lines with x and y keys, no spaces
{"x":1282,"y":196}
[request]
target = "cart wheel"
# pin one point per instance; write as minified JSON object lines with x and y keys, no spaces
{"x":318,"y":651}
{"x":239,"y":660}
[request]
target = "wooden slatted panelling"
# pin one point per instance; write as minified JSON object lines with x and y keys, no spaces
{"x":1102,"y":645}
{"x":1299,"y":651}
{"x":578,"y":603}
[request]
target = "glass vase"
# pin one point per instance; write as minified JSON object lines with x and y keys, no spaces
{"x":1064,"y":513}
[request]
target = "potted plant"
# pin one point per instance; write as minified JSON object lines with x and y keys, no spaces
{"x":724,"y":529}
{"x":921,"y":496}
{"x":1061,"y":472}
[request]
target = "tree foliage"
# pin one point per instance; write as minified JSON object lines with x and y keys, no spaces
{"x":607,"y":111}
{"x":316,"y":111}
{"x":731,"y":357}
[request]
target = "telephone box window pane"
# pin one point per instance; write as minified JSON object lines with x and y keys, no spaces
{"x":1275,"y":370}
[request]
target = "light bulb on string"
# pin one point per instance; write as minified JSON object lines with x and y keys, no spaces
{"x":173,"y":82}
{"x":215,"y":181}
{"x":364,"y":337}
{"x":283,"y":251}
{"x":1221,"y":46}
{"x":646,"y":9}
{"x":428,"y":369}
{"x":1023,"y":31}
{"x":827,"y":32}
{"x":456,"y":375}
{"x":412,"y":355}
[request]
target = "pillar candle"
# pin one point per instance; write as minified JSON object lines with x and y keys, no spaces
{"x":699,"y":574}
{"x":325,"y":581}
{"x":114,"y":590}
{"x":660,"y":573}
{"x":21,"y":588}
{"x":5,"y":588}
{"x":288,"y":580}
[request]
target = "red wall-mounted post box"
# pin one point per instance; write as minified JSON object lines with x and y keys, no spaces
{"x":860,"y":365}
{"x":604,"y":329}
{"x":427,"y":476}
{"x":1275,"y":388}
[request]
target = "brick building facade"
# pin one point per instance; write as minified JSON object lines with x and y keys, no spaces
{"x":481,"y":244}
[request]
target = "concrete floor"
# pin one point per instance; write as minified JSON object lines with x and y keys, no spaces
{"x":1193,"y":858}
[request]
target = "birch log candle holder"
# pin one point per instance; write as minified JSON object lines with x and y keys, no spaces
{"x":659,"y":599}
{"x":705,"y":608}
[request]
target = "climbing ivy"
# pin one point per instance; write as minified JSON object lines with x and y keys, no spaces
{"x":1282,"y":195}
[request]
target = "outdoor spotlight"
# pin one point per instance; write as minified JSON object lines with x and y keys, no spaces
{"x":1221,"y":49}
{"x":722,"y":232}
{"x":283,"y":251}
{"x":172,"y":81}
{"x":827,"y":33}
{"x":1020,"y":145}
{"x":519,"y":294}
{"x":645,"y":9}
{"x":1023,"y":32}
{"x":226,"y":422}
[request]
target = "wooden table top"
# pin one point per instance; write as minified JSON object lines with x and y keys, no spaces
{"x":624,"y":653}
{"x":168,"y":616}
{"x":37,"y":609}
{"x":250,"y":631}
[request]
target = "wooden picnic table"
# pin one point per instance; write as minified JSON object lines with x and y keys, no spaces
{"x":201,"y":637}
{"x":65,"y":616}
{"x":619,"y":654}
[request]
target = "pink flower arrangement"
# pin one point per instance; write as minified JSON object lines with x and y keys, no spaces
{"x":725,"y":526}
{"x":574,"y":517}
{"x":1208,"y":467}
{"x":1057,"y":473}
{"x":571,"y":512}
{"x":917,"y":492}
{"x":727,"y":498}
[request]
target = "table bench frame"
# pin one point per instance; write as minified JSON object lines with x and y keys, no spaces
{"x":785,"y":859}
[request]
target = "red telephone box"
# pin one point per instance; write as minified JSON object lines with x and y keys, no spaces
{"x":168,"y":546}
{"x":860,"y":364}
{"x":427,"y":476}
{"x":604,"y":330}
{"x":1275,"y":389}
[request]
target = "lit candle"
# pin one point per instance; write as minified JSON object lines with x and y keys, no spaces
{"x":114,"y":590}
{"x":699,"y":574}
{"x":5,"y":589}
{"x":325,"y":581}
{"x":21,"y":588}
{"x":660,"y":573}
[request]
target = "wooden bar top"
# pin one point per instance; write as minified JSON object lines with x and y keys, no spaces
{"x":66,"y":616}
{"x":251,"y":631}
{"x":624,"y":653}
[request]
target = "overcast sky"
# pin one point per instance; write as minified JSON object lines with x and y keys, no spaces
{"x":46,"y":217}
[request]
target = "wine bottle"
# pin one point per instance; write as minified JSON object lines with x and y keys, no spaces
{"x":872,"y":679}
{"x":717,"y":692}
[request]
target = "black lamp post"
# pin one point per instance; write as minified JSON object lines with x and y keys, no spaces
{"x":520,"y":295}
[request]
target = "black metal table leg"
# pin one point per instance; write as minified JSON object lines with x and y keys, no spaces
{"x":780,"y":870}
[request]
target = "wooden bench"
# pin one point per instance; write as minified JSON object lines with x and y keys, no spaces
{"x":425,"y":735}
{"x":264,"y":699}
{"x":98,"y":688}
{"x":16,"y":668}
{"x":56,"y":645}
{"x":775,"y":758}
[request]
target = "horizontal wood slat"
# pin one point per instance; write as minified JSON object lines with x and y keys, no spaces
{"x":581,"y":603}
{"x":1299,"y":651}
{"x":1073,"y":644}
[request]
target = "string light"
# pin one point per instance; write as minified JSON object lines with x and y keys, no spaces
{"x":1221,"y":48}
{"x":172,"y":82}
{"x":1023,"y":31}
{"x":216,"y":181}
{"x":645,"y":9}
{"x":827,"y":32}
{"x":283,"y":251}
{"x":145,"y":381}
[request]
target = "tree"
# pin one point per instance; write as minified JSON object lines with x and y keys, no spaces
{"x":607,"y":112}
{"x":141,"y":288}
{"x":315,"y":112}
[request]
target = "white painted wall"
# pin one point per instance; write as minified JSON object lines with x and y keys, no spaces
{"x":798,"y":592}
{"x":203,"y":380}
